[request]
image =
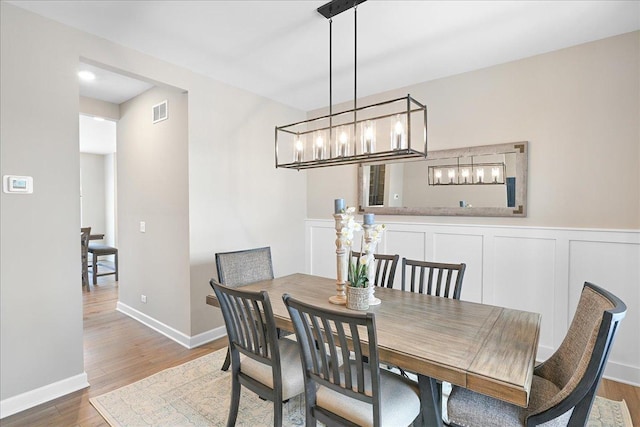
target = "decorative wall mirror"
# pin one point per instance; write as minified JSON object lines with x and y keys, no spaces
{"x":488,"y":180}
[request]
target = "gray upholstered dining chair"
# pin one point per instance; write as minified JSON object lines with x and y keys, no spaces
{"x":260,"y":361}
{"x":344,"y":390}
{"x":239,"y":268}
{"x":433,"y":278}
{"x":385,"y":268}
{"x":565,"y":385}
{"x":85,"y":233}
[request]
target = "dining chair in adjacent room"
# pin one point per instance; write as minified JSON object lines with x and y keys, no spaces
{"x":565,"y":385}
{"x":85,"y":232}
{"x":239,"y":268}
{"x":385,"y":268}
{"x":97,"y":250}
{"x":260,"y":361}
{"x":433,"y":278}
{"x":340,"y":390}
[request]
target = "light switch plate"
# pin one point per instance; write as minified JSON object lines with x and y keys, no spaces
{"x":143,"y":227}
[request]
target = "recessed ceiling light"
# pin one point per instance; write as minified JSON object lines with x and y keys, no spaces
{"x":86,"y":75}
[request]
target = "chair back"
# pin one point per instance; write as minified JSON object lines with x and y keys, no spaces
{"x":577,"y":366}
{"x":240,"y":268}
{"x":385,"y":268}
{"x":335,"y":334}
{"x":85,"y":233}
{"x":433,"y":278}
{"x":250,"y":325}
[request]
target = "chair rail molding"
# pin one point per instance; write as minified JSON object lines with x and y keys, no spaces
{"x":538,"y":269}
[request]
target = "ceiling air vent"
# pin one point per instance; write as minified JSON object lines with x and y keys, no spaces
{"x":160,"y":112}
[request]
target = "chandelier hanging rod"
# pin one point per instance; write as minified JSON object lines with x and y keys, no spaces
{"x":357,"y":139}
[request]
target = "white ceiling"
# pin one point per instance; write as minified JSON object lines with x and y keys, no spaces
{"x":279,"y":49}
{"x":109,"y":86}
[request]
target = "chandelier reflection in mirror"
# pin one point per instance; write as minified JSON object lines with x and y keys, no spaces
{"x":385,"y":131}
{"x":467,"y":174}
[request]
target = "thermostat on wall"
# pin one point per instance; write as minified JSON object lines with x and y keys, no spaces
{"x":17,"y":184}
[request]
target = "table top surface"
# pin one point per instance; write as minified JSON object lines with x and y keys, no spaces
{"x":481,"y":347}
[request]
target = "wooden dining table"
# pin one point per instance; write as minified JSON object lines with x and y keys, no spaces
{"x":485,"y":348}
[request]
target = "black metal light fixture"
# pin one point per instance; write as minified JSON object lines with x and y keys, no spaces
{"x":384,"y":131}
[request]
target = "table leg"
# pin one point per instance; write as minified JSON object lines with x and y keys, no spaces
{"x":430,"y":401}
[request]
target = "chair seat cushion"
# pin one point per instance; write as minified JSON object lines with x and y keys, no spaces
{"x":467,"y":408}
{"x":399,"y":401}
{"x":98,"y":249}
{"x":290,"y":366}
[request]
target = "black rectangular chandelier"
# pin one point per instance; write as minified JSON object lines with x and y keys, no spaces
{"x":385,"y":131}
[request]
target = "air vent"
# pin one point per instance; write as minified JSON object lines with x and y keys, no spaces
{"x":160,"y":112}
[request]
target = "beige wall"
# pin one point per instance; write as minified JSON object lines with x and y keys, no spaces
{"x":153,"y":181}
{"x":98,"y":108}
{"x":578,"y":107}
{"x":234,"y":198}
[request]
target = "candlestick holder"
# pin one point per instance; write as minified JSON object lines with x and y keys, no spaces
{"x":342,"y":261}
{"x":370,"y":243}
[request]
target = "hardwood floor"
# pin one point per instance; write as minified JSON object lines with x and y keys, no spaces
{"x":119,"y":350}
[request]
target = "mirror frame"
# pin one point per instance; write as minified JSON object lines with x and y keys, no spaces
{"x":521,"y":149}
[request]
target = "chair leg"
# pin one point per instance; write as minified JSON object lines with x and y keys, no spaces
{"x":95,"y":269}
{"x":277,"y":413}
{"x":227,"y":361}
{"x":116,"y":262}
{"x":235,"y":401}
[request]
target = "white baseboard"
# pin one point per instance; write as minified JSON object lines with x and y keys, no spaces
{"x":19,"y":403}
{"x":167,"y":331}
{"x":171,"y":333}
{"x":208,"y":336}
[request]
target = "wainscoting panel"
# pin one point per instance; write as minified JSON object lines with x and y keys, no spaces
{"x":322,"y":242}
{"x":523,"y":278}
{"x":457,"y":248}
{"x":607,"y":265}
{"x":529,"y":268}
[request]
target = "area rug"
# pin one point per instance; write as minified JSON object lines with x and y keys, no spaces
{"x":197,"y":393}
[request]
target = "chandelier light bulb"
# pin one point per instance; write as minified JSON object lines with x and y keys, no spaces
{"x":495,"y":173}
{"x":465,"y":175}
{"x":438,"y":174}
{"x":480,"y":175}
{"x":452,"y":175}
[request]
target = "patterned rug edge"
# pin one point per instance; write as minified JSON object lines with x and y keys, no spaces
{"x":113,"y":422}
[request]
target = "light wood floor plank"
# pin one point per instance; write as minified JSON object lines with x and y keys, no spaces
{"x":119,"y":351}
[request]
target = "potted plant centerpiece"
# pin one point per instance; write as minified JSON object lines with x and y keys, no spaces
{"x":358,"y":283}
